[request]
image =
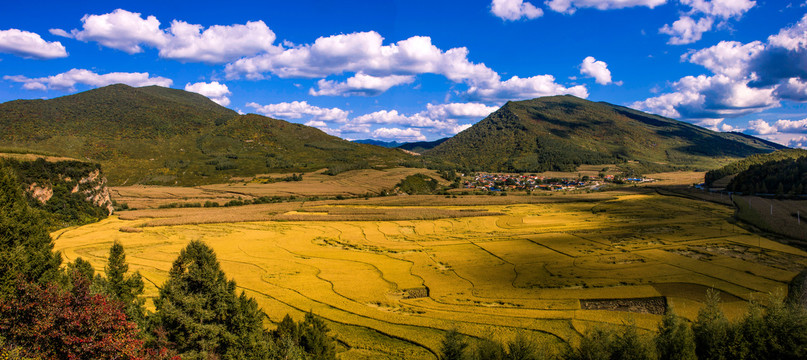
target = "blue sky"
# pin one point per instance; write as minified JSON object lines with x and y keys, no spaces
{"x":421,"y":70}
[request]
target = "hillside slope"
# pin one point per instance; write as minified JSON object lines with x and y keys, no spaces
{"x":155,"y":135}
{"x":562,"y":132}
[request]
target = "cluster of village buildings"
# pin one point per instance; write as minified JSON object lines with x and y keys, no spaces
{"x":514,"y":182}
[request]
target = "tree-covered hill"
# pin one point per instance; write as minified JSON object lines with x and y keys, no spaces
{"x":562,"y":132}
{"x":739,"y":166}
{"x":155,"y":135}
{"x":780,"y":177}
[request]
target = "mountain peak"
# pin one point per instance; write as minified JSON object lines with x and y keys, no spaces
{"x":562,"y":132}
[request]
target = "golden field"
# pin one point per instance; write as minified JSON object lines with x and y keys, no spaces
{"x":391,"y":274}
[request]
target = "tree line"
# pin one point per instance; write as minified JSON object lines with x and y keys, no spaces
{"x":71,"y":312}
{"x":778,"y":331}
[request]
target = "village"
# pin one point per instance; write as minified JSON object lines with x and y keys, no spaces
{"x":531,"y":182}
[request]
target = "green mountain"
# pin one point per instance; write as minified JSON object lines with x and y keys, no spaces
{"x":155,"y":135}
{"x":562,"y":132}
{"x":734,"y":168}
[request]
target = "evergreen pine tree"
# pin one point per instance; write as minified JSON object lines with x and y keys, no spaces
{"x":488,"y":349}
{"x":521,"y":348}
{"x":126,"y":289}
{"x":712,"y":330}
{"x":674,"y":340}
{"x":26,"y":248}
{"x":315,"y":340}
{"x":200,"y":313}
{"x":628,"y":345}
{"x":453,"y":346}
{"x":82,"y":267}
{"x":596,"y":344}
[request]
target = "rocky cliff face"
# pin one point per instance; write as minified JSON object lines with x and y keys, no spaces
{"x":74,"y":192}
{"x":94,"y":188}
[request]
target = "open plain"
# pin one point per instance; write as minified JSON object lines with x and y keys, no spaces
{"x":390,"y":274}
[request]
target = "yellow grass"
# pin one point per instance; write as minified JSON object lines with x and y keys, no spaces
{"x":521,"y":268}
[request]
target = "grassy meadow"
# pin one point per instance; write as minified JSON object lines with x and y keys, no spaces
{"x":391,"y":274}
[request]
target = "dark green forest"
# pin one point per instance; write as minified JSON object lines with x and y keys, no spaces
{"x":786,"y":177}
{"x":758,"y":159}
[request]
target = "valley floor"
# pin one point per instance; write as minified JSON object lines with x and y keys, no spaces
{"x":547,"y":266}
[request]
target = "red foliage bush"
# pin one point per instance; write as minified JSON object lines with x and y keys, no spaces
{"x":55,"y":323}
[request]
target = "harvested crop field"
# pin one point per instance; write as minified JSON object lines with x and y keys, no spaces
{"x":392,"y":274}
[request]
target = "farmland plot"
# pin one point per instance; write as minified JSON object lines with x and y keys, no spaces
{"x":391,"y":287}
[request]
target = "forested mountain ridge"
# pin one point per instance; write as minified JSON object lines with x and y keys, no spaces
{"x":562,"y":132}
{"x":155,"y":135}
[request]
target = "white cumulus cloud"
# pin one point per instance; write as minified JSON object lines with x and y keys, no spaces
{"x":129,"y":31}
{"x":517,"y":88}
{"x":68,"y":80}
{"x":792,"y":38}
{"x":710,"y":97}
{"x":218,"y":43}
{"x":686,"y":30}
{"x":798,"y":142}
{"x":364,"y":53}
{"x":458,"y":110}
{"x":515,"y":9}
{"x":299,"y":109}
{"x":720,"y":8}
{"x":120,"y":29}
{"x":596,"y":69}
{"x":761,"y":127}
{"x":360,"y":84}
{"x":437,"y":120}
{"x":213,"y":90}
{"x":570,"y":6}
{"x":747,"y":78}
{"x":399,"y":134}
{"x":29,"y":45}
{"x":728,"y":58}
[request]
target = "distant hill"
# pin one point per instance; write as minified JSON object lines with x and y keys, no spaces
{"x":562,"y":132}
{"x":386,"y":144}
{"x":422,"y":146}
{"x":739,"y":166}
{"x":417,"y":146}
{"x":156,"y":135}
